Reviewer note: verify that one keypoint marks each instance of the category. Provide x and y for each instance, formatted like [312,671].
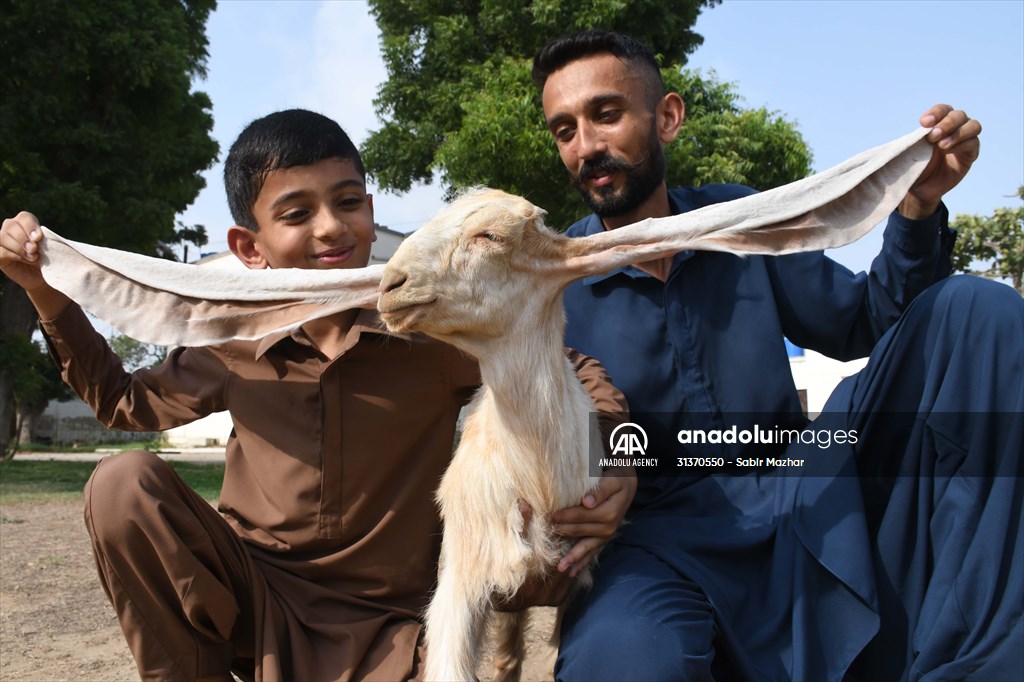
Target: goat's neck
[528,380]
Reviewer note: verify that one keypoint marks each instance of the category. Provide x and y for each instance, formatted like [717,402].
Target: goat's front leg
[456,620]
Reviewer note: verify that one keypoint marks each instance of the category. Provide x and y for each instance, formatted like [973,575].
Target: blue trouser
[906,563]
[650,622]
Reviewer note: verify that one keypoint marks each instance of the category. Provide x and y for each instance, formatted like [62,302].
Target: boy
[324,550]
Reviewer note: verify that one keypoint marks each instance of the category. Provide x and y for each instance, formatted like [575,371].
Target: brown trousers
[172,567]
[186,589]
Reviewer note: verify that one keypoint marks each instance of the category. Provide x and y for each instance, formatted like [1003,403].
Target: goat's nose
[392,280]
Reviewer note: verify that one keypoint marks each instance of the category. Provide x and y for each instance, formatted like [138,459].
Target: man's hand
[596,519]
[20,239]
[544,590]
[955,146]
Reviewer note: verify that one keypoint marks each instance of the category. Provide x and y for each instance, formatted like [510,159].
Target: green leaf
[992,246]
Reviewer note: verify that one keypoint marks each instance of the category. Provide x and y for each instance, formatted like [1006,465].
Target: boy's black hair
[284,139]
[561,51]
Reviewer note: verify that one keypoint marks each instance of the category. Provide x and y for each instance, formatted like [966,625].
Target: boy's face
[315,217]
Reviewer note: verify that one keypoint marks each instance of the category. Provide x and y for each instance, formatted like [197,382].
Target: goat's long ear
[158,301]
[830,209]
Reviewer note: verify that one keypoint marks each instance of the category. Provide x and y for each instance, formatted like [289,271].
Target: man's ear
[670,114]
[243,242]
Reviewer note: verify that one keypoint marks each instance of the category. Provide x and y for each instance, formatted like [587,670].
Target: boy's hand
[20,239]
[19,250]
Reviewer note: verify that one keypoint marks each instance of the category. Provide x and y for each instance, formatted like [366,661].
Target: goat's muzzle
[400,306]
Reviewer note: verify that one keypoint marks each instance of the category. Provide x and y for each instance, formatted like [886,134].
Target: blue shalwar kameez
[900,556]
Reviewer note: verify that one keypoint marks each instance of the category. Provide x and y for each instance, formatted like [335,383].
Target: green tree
[459,101]
[183,236]
[136,354]
[996,242]
[103,136]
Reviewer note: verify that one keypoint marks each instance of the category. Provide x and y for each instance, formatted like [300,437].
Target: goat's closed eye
[489,236]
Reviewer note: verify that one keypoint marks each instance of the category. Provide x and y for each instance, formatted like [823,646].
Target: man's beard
[642,178]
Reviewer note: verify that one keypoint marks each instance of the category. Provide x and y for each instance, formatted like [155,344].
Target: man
[896,554]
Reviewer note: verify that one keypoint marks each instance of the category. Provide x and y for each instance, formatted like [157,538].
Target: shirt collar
[367,321]
[593,225]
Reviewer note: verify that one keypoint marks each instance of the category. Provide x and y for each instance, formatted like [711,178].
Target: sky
[851,74]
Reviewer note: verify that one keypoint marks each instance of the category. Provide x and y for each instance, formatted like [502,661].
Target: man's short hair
[561,51]
[285,139]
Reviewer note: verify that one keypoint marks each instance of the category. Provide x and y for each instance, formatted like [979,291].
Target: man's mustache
[605,164]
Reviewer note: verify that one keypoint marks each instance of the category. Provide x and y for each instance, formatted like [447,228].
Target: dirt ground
[56,622]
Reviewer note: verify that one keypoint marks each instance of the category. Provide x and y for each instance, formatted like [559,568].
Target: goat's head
[473,270]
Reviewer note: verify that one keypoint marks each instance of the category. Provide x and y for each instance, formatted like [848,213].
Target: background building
[816,376]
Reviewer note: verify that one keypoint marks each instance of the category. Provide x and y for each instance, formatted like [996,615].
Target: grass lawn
[46,481]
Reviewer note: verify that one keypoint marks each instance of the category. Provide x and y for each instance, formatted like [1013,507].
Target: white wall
[210,431]
[819,375]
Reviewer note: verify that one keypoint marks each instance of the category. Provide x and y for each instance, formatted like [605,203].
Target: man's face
[598,111]
[316,217]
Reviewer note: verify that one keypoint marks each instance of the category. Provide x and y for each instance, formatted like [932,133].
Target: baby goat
[479,276]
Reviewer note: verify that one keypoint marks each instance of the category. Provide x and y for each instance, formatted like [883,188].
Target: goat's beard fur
[642,178]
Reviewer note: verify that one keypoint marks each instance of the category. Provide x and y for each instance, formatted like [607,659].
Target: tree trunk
[8,416]
[17,316]
[29,420]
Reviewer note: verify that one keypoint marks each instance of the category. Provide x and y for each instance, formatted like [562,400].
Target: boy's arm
[609,401]
[187,386]
[191,383]
[20,239]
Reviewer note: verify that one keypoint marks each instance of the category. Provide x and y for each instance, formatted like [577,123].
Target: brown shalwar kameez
[324,549]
